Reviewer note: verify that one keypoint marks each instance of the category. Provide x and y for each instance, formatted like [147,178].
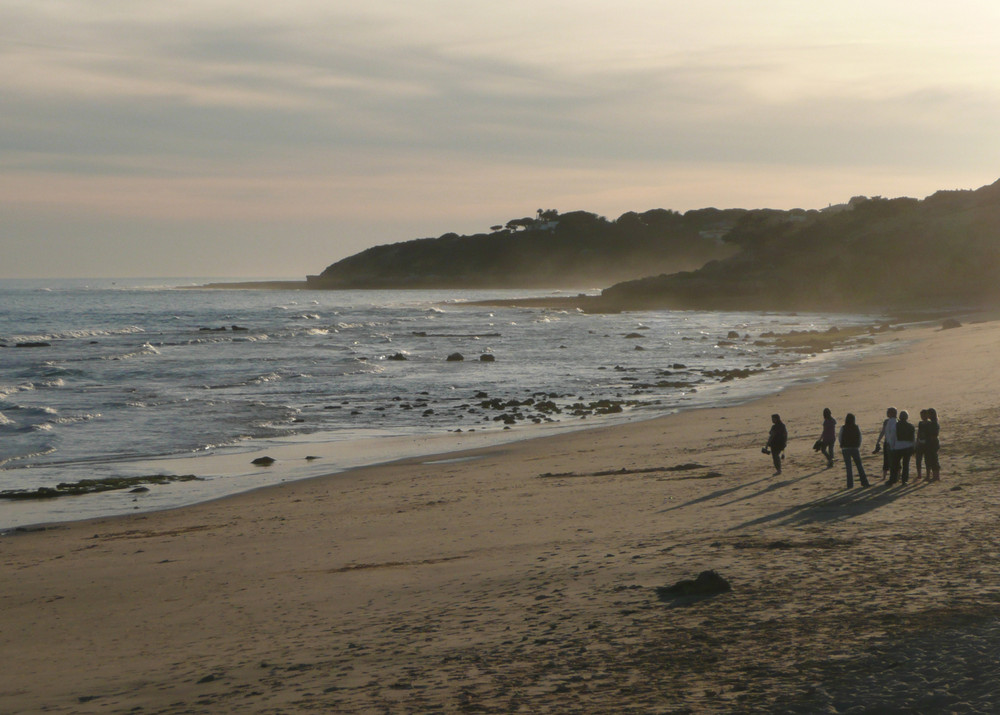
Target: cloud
[433,114]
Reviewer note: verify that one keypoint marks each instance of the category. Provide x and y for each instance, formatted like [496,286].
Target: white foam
[74,419]
[77,334]
[270,377]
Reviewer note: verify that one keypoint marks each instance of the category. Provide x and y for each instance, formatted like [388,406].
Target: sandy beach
[524,577]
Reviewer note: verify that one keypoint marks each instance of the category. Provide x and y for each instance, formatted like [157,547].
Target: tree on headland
[576,249]
[518,224]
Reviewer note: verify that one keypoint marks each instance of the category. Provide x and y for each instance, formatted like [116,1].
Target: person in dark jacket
[777,440]
[923,430]
[932,446]
[850,447]
[829,436]
[902,448]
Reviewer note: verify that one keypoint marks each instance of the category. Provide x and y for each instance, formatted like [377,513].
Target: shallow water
[140,377]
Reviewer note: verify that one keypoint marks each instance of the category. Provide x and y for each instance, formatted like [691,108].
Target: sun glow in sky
[271,139]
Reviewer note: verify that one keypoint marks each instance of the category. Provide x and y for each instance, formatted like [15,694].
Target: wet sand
[523,577]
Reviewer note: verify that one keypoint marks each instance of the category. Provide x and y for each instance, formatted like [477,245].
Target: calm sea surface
[139,377]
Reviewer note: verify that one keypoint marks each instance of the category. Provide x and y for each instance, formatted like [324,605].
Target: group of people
[899,441]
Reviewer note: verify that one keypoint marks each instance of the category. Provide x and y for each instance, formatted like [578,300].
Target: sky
[266,139]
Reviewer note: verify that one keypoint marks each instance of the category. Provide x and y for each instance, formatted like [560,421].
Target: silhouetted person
[932,447]
[829,436]
[923,426]
[888,425]
[902,449]
[850,447]
[777,440]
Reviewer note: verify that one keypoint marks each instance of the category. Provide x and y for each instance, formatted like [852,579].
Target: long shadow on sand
[719,493]
[774,486]
[845,504]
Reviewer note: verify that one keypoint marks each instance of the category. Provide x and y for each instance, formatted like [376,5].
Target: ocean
[136,378]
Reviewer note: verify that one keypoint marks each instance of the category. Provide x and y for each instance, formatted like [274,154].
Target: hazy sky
[217,138]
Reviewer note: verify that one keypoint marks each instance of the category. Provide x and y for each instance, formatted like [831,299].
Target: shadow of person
[839,506]
[717,494]
[774,486]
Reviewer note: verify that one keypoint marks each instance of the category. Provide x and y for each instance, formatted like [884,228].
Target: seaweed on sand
[93,486]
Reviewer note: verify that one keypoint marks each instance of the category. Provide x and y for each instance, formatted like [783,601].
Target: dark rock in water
[207,679]
[139,490]
[950,323]
[311,457]
[486,357]
[638,347]
[633,335]
[213,330]
[708,584]
[732,334]
[33,344]
[264,461]
[397,356]
[239,328]
[455,357]
[679,366]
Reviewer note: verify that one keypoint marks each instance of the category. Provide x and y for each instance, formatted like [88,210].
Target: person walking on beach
[902,449]
[932,446]
[923,426]
[850,447]
[890,419]
[777,440]
[829,436]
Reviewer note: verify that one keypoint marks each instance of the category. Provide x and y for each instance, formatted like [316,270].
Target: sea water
[135,378]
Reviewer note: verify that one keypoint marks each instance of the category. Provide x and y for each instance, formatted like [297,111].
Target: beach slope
[530,577]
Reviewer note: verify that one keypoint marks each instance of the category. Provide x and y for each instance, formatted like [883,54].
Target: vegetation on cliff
[573,250]
[869,254]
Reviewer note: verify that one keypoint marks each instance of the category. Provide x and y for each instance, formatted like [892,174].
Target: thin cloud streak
[397,120]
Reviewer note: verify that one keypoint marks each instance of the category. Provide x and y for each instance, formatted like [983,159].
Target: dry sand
[524,578]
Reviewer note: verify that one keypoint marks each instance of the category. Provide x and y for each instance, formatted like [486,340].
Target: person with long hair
[902,448]
[850,447]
